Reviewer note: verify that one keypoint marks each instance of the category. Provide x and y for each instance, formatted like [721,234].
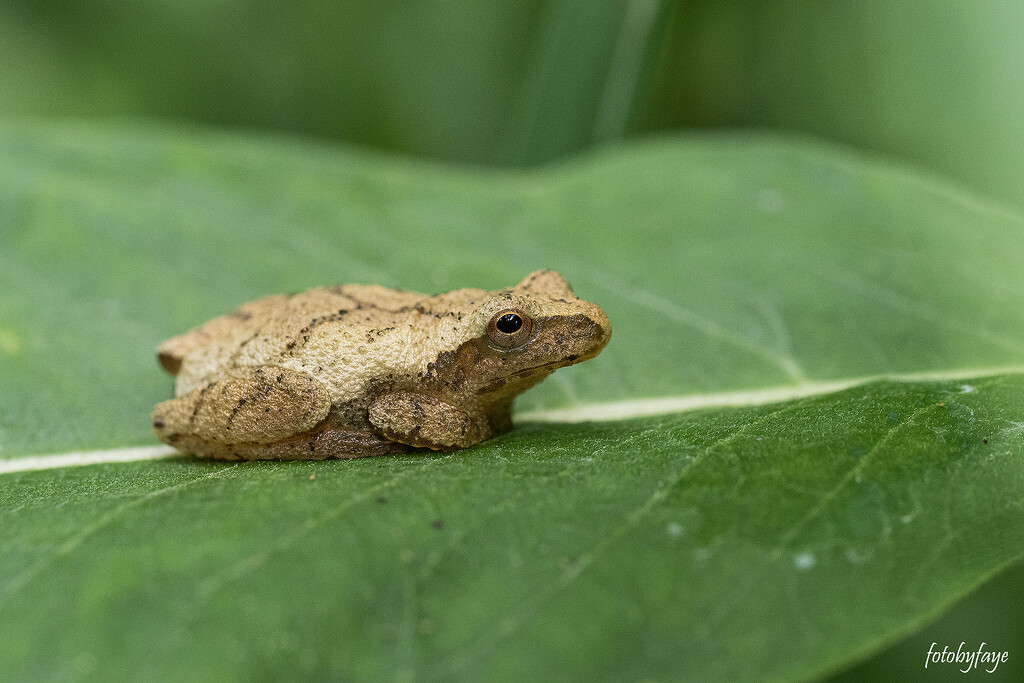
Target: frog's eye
[509,328]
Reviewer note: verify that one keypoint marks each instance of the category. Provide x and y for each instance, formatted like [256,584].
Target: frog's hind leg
[263,413]
[255,405]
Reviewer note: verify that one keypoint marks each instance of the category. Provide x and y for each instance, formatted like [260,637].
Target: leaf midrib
[589,412]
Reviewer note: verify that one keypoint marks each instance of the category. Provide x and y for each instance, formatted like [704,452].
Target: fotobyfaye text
[968,659]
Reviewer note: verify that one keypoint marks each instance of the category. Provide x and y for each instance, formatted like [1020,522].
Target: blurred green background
[468,81]
[936,84]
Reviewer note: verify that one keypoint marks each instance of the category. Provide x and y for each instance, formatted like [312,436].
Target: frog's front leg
[255,405]
[425,421]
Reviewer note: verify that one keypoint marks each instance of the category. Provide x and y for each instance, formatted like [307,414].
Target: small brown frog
[357,370]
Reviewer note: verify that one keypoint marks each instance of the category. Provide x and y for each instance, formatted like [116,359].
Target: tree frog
[359,370]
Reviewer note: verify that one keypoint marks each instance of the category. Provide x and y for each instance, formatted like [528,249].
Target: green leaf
[747,540]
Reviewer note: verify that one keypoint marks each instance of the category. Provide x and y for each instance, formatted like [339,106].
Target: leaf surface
[743,542]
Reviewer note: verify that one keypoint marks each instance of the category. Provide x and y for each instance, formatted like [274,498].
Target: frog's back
[281,329]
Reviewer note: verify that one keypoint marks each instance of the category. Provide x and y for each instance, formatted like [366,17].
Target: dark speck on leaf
[382,499]
[984,440]
[437,524]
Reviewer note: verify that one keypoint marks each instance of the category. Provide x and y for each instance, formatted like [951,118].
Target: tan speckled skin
[355,370]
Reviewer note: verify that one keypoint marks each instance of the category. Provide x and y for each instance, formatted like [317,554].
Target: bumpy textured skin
[355,370]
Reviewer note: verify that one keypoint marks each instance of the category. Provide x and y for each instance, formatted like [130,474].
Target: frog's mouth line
[597,332]
[530,373]
[538,369]
[555,364]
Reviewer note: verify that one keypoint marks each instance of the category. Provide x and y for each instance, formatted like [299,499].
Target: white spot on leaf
[804,561]
[1013,430]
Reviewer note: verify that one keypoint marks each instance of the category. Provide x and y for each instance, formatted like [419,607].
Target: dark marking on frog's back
[200,400]
[364,304]
[301,337]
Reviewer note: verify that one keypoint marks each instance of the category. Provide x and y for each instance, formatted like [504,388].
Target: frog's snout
[585,334]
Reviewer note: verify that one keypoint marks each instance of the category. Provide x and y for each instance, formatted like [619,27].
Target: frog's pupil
[509,323]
